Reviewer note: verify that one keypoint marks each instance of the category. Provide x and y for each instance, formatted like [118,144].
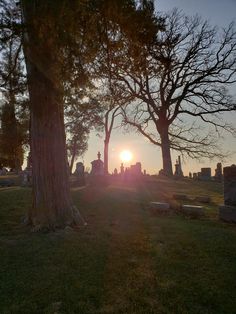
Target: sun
[125,156]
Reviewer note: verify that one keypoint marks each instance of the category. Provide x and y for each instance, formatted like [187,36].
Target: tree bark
[106,155]
[72,162]
[72,157]
[52,204]
[166,155]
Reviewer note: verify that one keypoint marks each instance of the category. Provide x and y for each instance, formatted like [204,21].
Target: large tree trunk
[165,149]
[52,204]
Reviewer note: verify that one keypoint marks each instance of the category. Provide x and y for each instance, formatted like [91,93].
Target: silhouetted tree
[139,30]
[179,83]
[13,90]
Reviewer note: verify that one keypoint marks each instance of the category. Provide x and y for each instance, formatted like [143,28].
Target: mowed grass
[127,260]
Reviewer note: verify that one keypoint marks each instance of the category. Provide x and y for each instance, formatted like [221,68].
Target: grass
[126,260]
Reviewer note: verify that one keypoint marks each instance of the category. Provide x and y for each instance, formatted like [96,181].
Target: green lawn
[127,260]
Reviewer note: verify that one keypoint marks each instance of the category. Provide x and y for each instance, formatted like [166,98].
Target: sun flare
[125,156]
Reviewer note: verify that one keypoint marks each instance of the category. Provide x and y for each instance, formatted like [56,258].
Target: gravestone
[97,166]
[159,207]
[6,183]
[26,174]
[122,169]
[29,161]
[227,212]
[26,177]
[126,174]
[3,171]
[205,174]
[136,170]
[193,210]
[178,168]
[218,172]
[79,173]
[97,177]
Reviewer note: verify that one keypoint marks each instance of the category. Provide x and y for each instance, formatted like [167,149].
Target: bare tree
[111,104]
[114,34]
[180,83]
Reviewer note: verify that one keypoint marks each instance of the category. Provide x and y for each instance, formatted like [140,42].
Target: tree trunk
[106,154]
[73,157]
[165,149]
[52,204]
[72,163]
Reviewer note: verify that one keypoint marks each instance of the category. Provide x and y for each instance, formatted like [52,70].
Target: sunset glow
[125,156]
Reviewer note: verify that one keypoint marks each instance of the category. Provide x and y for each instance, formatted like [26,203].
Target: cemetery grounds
[128,259]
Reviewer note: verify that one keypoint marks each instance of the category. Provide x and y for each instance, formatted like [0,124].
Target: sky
[217,12]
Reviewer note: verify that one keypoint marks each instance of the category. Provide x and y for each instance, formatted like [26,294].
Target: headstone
[79,173]
[195,176]
[161,172]
[6,183]
[97,166]
[29,161]
[218,172]
[178,168]
[205,174]
[160,207]
[3,171]
[122,169]
[193,210]
[136,170]
[26,177]
[227,212]
[79,170]
[190,175]
[126,174]
[230,185]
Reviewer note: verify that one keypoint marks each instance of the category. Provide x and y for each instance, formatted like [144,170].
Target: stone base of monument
[227,213]
[193,211]
[6,183]
[158,207]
